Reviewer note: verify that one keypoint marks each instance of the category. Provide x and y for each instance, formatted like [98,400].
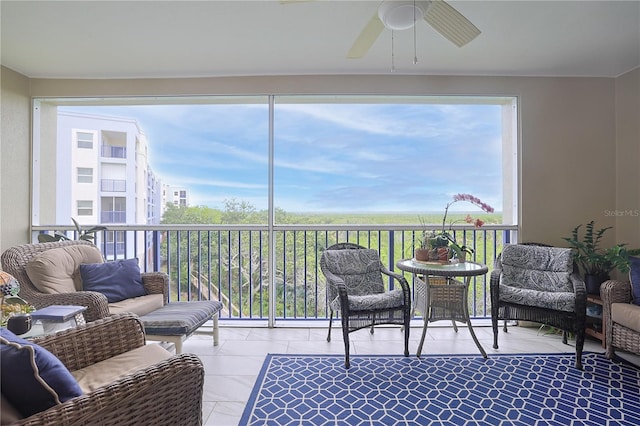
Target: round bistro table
[439,296]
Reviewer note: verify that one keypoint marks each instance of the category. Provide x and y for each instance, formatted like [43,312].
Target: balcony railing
[113,185]
[116,216]
[238,265]
[113,151]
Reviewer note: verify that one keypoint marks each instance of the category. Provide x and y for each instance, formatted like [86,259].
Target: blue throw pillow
[33,379]
[634,277]
[117,280]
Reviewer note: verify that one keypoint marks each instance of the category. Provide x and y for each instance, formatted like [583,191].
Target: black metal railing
[237,265]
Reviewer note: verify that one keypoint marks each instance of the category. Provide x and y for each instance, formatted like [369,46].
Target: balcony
[113,151]
[117,216]
[113,185]
[234,263]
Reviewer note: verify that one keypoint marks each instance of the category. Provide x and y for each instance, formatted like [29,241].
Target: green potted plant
[595,262]
[461,251]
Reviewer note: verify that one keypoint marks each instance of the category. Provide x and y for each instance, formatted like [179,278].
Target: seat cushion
[118,280]
[33,379]
[375,302]
[112,369]
[179,318]
[555,300]
[138,305]
[57,270]
[626,314]
[544,269]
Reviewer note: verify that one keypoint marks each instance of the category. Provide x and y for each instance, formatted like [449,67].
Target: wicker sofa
[16,259]
[123,380]
[621,318]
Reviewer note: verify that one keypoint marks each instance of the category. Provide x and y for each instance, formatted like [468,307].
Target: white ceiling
[131,39]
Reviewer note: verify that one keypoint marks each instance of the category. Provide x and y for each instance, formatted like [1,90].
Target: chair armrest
[494,289]
[614,291]
[96,303]
[580,291]
[167,393]
[95,341]
[494,278]
[403,283]
[398,277]
[156,283]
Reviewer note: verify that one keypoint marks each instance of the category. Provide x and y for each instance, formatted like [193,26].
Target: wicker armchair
[618,335]
[15,259]
[540,284]
[168,392]
[356,289]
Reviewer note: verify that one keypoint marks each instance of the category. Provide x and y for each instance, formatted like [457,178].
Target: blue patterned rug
[444,390]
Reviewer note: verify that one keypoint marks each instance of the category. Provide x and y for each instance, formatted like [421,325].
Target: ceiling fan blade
[366,38]
[450,23]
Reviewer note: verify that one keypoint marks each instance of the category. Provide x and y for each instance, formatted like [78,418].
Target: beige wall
[15,158]
[570,156]
[627,171]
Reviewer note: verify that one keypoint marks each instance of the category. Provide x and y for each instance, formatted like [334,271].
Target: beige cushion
[112,369]
[57,270]
[138,305]
[626,314]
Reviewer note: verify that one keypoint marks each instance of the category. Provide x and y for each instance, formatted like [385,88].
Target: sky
[359,157]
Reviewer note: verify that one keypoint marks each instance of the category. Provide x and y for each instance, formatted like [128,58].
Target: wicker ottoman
[176,321]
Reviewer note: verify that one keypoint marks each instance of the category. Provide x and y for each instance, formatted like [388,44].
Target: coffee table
[54,318]
[439,296]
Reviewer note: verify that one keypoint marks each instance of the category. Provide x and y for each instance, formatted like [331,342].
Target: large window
[362,159]
[356,158]
[235,197]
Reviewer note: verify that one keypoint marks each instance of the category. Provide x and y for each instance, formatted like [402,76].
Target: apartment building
[176,195]
[108,179]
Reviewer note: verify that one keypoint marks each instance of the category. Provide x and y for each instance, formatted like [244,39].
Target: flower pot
[421,254]
[443,254]
[593,283]
[19,323]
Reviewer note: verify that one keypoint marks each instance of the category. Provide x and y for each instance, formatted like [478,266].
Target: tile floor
[231,367]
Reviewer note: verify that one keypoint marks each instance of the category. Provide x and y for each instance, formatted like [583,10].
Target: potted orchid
[441,244]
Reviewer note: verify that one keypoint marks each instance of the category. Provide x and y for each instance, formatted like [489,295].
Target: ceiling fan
[402,15]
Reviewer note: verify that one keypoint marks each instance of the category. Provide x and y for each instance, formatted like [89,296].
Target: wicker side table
[438,296]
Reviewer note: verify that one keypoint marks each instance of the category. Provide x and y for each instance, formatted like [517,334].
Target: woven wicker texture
[617,335]
[168,393]
[399,313]
[568,322]
[14,261]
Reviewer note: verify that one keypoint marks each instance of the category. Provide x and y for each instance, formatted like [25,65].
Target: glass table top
[441,268]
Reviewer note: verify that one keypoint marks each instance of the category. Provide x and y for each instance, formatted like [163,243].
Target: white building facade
[108,181]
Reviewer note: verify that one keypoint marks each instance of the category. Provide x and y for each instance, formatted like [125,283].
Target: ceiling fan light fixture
[402,15]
